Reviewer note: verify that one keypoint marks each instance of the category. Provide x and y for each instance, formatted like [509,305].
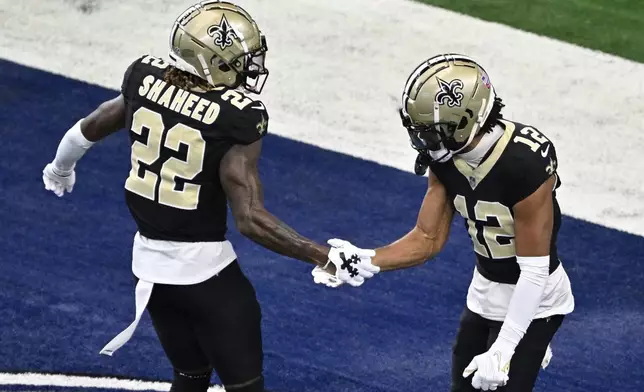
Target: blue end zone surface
[66,287]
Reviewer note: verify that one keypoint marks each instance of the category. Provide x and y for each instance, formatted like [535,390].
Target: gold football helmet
[446,100]
[220,43]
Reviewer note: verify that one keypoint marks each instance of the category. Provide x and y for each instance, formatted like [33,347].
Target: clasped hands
[346,264]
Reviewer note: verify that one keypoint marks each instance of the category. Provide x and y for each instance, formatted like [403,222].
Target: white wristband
[72,147]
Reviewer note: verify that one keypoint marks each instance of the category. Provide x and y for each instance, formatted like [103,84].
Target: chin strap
[427,157]
[422,163]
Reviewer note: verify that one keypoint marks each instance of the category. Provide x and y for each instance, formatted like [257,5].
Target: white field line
[61,380]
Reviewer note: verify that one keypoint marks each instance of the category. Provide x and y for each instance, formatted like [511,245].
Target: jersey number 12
[490,233]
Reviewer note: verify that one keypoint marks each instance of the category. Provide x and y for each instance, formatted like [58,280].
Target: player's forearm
[71,148]
[425,240]
[526,298]
[413,249]
[268,231]
[533,222]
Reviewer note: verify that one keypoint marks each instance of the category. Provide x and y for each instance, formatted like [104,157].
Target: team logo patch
[262,125]
[449,93]
[223,33]
[550,169]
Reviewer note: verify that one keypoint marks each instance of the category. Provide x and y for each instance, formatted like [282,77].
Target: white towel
[143,293]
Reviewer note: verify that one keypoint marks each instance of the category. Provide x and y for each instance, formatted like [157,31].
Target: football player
[196,139]
[501,177]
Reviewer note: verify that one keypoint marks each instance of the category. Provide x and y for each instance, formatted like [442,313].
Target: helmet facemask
[430,136]
[251,67]
[433,136]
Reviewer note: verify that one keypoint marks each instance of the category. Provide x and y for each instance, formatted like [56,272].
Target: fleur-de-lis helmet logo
[449,93]
[223,33]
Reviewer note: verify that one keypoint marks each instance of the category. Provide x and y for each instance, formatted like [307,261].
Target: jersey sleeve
[533,168]
[126,85]
[250,125]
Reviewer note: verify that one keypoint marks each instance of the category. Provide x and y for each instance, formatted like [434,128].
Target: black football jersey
[520,162]
[178,139]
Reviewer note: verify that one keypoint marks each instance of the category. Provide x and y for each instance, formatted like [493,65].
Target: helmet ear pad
[239,80]
[465,120]
[227,74]
[452,143]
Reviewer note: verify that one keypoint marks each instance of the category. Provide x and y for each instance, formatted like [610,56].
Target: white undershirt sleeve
[72,147]
[525,298]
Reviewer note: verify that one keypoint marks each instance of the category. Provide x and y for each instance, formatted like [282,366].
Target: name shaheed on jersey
[178,100]
[501,177]
[196,138]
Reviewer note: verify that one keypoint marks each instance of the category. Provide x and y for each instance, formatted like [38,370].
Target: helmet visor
[430,136]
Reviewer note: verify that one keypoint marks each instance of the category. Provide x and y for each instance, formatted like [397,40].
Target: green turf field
[612,26]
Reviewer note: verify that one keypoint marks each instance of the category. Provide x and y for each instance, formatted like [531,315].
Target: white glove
[491,368]
[58,182]
[352,264]
[321,276]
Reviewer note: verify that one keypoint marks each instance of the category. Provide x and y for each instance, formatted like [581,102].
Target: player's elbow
[417,254]
[247,222]
[425,252]
[431,250]
[106,119]
[433,244]
[245,225]
[439,244]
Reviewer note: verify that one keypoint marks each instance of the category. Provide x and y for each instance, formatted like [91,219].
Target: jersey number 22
[173,168]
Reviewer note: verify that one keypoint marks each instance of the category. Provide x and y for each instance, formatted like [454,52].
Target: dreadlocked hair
[184,80]
[494,117]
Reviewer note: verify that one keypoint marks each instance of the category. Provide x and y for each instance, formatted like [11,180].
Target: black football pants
[475,336]
[213,324]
